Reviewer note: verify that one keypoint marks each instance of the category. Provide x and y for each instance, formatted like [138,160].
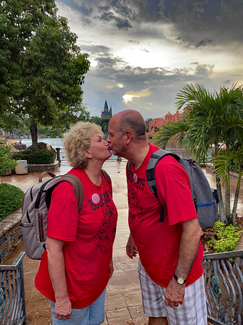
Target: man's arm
[131,248]
[188,250]
[56,265]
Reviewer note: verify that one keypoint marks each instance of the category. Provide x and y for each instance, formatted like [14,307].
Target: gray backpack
[204,197]
[35,206]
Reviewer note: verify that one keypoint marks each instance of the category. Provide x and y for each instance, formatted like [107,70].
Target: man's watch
[179,279]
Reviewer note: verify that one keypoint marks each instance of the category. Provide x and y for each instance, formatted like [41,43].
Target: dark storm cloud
[192,27]
[203,43]
[133,42]
[204,69]
[160,85]
[200,23]
[119,22]
[95,49]
[137,78]
[221,19]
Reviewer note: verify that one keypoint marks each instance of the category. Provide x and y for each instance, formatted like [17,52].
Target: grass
[10,199]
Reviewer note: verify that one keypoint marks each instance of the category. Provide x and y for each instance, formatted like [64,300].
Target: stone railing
[43,167]
[10,234]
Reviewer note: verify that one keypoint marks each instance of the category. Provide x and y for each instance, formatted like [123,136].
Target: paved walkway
[123,299]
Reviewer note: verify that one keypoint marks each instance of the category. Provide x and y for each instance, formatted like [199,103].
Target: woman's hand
[131,248]
[56,265]
[63,308]
[111,269]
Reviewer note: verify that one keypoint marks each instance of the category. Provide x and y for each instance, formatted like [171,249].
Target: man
[170,265]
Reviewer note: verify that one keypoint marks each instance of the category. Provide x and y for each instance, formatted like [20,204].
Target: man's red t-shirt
[88,238]
[158,242]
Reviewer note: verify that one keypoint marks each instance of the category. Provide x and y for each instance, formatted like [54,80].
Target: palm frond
[166,132]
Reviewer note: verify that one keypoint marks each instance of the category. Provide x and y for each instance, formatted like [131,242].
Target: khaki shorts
[193,311]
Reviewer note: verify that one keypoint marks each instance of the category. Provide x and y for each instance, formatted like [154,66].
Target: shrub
[10,199]
[40,156]
[225,237]
[6,161]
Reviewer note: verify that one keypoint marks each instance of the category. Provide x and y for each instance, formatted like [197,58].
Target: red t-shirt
[158,242]
[88,238]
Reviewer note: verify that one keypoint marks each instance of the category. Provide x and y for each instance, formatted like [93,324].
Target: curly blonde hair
[76,140]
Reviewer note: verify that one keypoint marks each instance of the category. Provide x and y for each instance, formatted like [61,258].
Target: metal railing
[223,284]
[12,297]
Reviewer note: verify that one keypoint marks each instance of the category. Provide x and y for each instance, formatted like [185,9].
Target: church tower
[106,113]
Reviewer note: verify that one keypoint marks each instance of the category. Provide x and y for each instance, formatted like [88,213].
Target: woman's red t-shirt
[88,238]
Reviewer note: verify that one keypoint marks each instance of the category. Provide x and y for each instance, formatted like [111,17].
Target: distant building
[106,113]
[158,122]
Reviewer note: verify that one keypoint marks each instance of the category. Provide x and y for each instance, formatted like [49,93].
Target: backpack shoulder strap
[77,186]
[150,173]
[107,178]
[154,159]
[128,165]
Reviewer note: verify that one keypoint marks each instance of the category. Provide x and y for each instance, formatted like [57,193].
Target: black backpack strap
[107,178]
[154,159]
[128,165]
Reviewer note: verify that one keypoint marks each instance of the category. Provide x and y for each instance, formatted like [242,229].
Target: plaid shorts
[193,311]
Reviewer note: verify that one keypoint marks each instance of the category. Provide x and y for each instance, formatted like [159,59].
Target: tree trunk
[33,132]
[237,192]
[227,203]
[219,188]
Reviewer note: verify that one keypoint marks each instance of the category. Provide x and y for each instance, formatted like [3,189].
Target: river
[54,142]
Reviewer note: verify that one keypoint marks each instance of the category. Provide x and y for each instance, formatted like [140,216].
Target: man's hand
[131,248]
[174,293]
[111,269]
[63,308]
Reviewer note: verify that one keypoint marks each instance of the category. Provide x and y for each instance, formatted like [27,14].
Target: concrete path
[123,299]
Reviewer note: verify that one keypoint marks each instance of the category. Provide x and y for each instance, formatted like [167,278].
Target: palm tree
[209,120]
[235,153]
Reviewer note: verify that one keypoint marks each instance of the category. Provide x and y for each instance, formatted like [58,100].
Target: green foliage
[10,199]
[41,156]
[104,123]
[147,121]
[41,67]
[225,238]
[6,161]
[211,118]
[234,166]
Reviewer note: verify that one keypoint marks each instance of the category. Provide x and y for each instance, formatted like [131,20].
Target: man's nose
[108,139]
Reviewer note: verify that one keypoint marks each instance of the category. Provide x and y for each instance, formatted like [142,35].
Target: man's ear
[128,136]
[87,153]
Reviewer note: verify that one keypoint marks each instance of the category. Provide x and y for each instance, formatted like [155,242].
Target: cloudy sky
[142,52]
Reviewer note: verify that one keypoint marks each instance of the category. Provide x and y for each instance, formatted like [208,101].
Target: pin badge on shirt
[135,178]
[95,198]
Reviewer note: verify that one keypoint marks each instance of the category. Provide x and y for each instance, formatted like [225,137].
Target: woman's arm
[56,265]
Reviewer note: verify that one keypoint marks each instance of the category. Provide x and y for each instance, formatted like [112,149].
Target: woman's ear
[87,153]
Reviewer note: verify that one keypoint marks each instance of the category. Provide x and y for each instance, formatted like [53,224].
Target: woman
[77,263]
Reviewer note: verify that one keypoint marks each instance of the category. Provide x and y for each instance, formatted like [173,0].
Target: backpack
[204,197]
[35,206]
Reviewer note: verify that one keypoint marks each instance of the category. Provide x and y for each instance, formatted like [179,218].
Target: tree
[226,156]
[209,120]
[147,121]
[104,123]
[44,72]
